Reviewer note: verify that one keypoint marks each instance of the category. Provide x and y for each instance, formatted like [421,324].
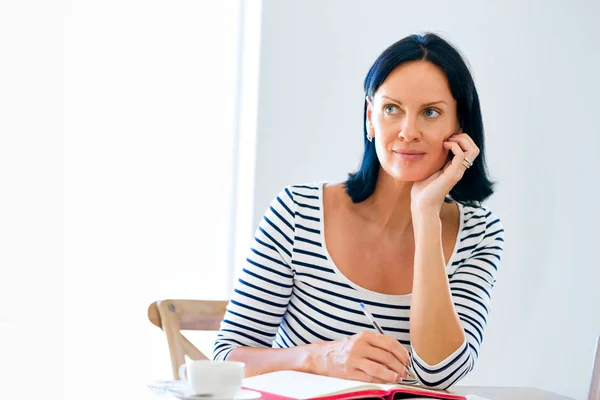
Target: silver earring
[369,137]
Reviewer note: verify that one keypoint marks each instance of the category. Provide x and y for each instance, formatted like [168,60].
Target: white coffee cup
[213,379]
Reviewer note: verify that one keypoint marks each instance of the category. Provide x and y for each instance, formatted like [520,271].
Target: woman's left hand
[428,194]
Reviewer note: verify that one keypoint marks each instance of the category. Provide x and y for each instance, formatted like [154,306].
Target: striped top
[291,293]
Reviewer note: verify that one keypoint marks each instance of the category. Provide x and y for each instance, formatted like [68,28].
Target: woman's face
[410,116]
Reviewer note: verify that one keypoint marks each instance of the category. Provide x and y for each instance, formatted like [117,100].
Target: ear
[369,101]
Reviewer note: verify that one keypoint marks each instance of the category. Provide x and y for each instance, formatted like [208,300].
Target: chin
[402,171]
[409,174]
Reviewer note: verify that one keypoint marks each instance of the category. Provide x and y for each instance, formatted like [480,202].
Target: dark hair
[475,186]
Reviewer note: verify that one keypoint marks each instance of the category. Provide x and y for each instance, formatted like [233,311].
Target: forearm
[435,328]
[263,360]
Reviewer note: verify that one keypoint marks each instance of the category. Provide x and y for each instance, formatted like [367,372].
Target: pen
[376,326]
[371,318]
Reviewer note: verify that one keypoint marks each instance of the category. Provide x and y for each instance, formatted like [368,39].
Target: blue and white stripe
[290,293]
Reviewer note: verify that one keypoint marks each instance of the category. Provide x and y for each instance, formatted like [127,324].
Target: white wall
[150,90]
[31,200]
[117,150]
[536,67]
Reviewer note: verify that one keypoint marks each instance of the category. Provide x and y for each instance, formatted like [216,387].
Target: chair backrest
[173,316]
[594,393]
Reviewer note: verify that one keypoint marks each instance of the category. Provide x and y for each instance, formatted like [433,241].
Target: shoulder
[481,241]
[481,224]
[306,190]
[304,195]
[303,191]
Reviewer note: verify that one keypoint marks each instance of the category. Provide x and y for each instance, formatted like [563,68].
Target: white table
[491,393]
[508,393]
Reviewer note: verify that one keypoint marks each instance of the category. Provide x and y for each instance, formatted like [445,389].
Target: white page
[300,385]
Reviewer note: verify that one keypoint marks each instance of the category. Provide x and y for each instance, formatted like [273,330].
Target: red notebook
[292,385]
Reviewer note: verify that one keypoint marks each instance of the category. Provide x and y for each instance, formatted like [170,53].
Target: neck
[389,205]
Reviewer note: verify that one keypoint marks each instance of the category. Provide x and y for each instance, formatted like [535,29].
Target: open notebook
[292,385]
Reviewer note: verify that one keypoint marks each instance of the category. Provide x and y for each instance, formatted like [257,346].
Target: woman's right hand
[366,356]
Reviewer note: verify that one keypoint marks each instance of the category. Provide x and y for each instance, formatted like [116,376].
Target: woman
[405,235]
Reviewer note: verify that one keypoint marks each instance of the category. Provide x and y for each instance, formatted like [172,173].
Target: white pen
[371,318]
[376,326]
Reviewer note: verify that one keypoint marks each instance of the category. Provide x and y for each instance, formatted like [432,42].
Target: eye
[431,113]
[390,109]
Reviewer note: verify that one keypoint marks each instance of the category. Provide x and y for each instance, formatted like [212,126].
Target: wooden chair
[594,391]
[173,316]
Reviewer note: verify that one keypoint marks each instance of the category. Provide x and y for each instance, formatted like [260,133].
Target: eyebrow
[426,104]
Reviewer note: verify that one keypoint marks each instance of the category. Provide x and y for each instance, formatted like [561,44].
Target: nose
[409,130]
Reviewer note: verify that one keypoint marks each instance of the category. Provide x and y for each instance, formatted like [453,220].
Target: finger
[460,134]
[465,142]
[467,145]
[378,371]
[459,155]
[386,358]
[360,375]
[390,345]
[457,167]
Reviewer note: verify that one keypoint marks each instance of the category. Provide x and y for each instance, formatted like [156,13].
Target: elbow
[441,382]
[221,350]
[446,374]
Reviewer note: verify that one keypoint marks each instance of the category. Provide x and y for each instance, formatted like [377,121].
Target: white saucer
[243,394]
[180,390]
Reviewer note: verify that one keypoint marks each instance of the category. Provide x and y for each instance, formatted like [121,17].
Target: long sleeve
[262,292]
[482,238]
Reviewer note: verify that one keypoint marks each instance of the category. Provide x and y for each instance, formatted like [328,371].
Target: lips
[409,155]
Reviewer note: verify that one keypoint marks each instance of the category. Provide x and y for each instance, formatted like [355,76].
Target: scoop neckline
[358,287]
